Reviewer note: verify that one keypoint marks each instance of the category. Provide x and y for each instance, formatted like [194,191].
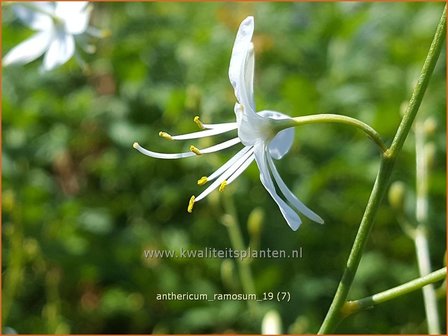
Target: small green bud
[255,222]
[228,273]
[227,220]
[397,193]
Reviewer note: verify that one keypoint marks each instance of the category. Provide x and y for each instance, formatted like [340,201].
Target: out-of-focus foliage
[80,205]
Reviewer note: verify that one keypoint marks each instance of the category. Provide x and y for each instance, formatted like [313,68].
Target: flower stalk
[331,118]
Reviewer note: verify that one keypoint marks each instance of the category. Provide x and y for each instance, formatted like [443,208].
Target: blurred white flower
[271,323]
[56,24]
[255,132]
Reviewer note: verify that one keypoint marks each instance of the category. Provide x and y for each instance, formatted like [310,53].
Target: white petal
[75,15]
[60,51]
[291,197]
[282,142]
[251,126]
[202,134]
[36,15]
[241,69]
[289,214]
[224,176]
[249,69]
[28,50]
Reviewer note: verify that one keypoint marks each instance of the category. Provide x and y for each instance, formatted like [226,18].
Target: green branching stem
[334,314]
[352,307]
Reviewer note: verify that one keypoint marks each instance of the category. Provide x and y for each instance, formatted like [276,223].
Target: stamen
[195,150]
[191,204]
[217,129]
[222,186]
[215,148]
[229,163]
[165,135]
[162,155]
[203,180]
[198,122]
[225,175]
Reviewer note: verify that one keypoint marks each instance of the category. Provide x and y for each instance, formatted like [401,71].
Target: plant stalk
[381,183]
[352,307]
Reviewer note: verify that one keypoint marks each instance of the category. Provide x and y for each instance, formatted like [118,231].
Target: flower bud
[228,273]
[255,221]
[397,193]
[227,220]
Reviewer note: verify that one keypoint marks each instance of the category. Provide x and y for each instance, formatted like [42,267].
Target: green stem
[236,239]
[429,294]
[352,307]
[422,84]
[330,118]
[381,183]
[420,237]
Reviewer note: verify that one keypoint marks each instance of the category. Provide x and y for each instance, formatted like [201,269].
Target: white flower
[255,132]
[56,24]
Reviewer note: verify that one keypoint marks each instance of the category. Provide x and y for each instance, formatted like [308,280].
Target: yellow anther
[165,135]
[191,204]
[203,180]
[135,145]
[195,150]
[222,186]
[198,122]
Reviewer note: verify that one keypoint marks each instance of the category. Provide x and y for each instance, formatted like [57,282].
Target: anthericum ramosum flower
[255,132]
[56,25]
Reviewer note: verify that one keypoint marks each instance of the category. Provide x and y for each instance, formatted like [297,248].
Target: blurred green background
[79,205]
